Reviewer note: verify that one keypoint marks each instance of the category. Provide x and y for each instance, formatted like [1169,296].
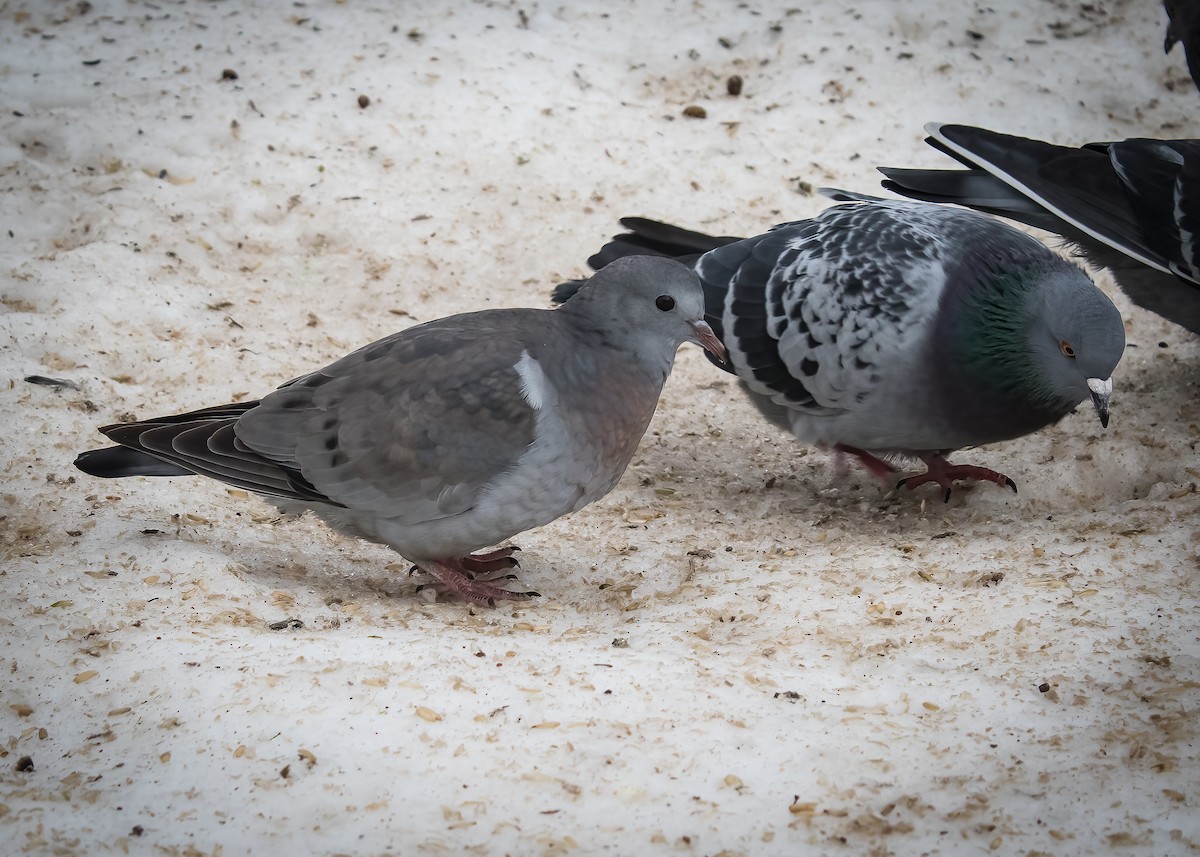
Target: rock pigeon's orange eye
[666,303]
[1067,349]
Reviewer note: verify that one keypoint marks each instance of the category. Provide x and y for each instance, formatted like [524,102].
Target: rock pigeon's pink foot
[492,561]
[457,578]
[878,467]
[945,474]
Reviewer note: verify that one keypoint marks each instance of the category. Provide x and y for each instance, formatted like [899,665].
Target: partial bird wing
[1162,179]
[1078,191]
[653,238]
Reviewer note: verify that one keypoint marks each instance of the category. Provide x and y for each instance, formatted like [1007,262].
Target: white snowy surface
[735,653]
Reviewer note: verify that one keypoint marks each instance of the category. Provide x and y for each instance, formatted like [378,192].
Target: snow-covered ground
[735,652]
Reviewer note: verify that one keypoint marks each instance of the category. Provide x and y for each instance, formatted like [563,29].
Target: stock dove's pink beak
[707,340]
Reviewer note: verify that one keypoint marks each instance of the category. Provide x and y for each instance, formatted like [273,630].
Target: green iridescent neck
[990,335]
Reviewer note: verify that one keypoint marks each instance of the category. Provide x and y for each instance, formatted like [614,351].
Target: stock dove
[452,435]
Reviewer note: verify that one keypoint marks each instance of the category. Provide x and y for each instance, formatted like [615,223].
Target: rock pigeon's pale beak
[1101,393]
[707,340]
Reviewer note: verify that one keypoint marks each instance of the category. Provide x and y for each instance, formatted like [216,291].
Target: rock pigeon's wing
[815,309]
[653,238]
[734,278]
[1162,179]
[413,426]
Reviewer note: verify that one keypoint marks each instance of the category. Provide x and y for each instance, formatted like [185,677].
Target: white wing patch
[534,385]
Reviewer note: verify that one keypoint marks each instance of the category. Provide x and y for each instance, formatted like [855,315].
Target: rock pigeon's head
[1076,337]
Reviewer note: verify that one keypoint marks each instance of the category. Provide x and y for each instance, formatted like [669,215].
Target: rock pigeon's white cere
[895,329]
[1132,207]
[452,435]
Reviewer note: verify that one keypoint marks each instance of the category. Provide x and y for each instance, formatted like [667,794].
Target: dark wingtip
[114,462]
[96,462]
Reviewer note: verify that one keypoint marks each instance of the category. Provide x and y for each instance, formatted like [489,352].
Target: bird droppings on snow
[812,664]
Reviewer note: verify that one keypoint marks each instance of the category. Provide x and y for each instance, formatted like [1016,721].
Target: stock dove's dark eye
[666,303]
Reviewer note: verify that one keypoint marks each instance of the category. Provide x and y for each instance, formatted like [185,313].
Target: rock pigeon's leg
[492,561]
[878,467]
[944,474]
[451,574]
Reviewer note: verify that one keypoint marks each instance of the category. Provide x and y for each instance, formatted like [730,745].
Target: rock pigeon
[452,435]
[1183,25]
[1132,207]
[894,330]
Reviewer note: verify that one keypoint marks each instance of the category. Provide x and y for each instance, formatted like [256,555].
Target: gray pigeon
[452,435]
[895,330]
[1132,207]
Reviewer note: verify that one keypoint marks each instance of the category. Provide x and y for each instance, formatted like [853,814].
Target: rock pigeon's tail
[653,238]
[1030,181]
[565,291]
[1074,192]
[971,188]
[839,195]
[116,461]
[647,238]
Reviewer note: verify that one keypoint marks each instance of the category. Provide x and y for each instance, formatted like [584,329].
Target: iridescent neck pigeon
[897,330]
